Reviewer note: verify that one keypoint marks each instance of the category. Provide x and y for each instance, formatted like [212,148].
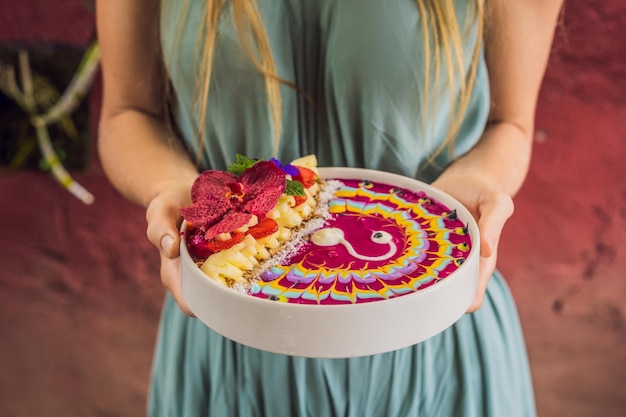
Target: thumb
[162,228]
[169,246]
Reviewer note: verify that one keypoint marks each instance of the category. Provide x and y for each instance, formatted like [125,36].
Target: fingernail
[166,244]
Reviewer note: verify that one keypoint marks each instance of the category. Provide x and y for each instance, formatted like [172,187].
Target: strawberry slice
[215,245]
[305,176]
[263,228]
[299,199]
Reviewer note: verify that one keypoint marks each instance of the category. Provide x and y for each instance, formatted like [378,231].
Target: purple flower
[287,168]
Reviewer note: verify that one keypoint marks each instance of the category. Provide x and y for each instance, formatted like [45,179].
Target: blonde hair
[443,48]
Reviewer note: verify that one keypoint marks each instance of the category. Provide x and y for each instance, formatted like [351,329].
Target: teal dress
[360,64]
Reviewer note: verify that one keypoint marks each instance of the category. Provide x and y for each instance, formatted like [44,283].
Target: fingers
[486,267]
[495,210]
[170,275]
[491,208]
[163,218]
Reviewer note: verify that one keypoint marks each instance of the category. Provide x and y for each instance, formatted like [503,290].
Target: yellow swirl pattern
[434,243]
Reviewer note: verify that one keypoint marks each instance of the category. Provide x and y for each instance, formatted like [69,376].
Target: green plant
[34,98]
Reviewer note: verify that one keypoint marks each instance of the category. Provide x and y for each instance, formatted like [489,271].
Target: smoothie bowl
[375,262]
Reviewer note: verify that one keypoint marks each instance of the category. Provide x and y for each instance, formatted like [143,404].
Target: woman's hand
[164,220]
[490,207]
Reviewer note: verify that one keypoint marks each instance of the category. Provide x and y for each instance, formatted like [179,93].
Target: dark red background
[80,293]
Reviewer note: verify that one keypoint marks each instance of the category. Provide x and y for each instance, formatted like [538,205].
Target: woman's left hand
[490,207]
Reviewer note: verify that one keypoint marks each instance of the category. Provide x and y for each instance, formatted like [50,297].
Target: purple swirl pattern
[388,242]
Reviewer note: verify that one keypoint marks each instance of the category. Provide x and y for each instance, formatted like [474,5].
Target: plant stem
[56,167]
[68,102]
[77,88]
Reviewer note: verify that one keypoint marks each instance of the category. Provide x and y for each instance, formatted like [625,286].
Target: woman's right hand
[163,217]
[139,153]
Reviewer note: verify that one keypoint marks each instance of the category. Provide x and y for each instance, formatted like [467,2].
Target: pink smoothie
[380,242]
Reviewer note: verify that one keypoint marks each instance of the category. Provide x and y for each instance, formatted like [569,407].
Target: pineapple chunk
[217,259]
[304,210]
[227,270]
[269,242]
[283,234]
[240,261]
[274,214]
[313,190]
[262,253]
[309,161]
[290,201]
[249,250]
[222,237]
[289,218]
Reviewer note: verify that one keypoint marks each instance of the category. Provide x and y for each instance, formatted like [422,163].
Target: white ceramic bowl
[338,331]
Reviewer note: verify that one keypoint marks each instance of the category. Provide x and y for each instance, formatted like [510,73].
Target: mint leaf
[241,164]
[294,188]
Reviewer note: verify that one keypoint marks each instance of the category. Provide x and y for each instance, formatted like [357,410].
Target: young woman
[441,90]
